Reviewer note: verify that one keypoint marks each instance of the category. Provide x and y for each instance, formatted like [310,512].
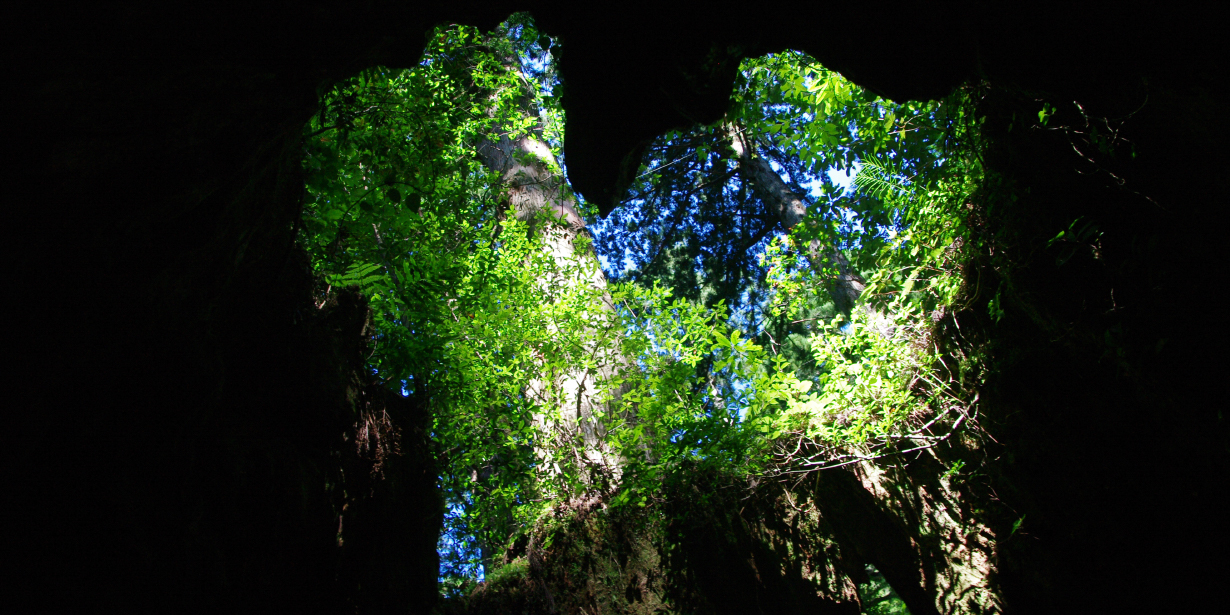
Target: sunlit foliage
[472,316]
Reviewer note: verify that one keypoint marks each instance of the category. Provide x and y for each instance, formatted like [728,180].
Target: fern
[363,275]
[879,178]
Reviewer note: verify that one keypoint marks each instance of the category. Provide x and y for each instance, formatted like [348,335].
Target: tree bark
[535,187]
[790,210]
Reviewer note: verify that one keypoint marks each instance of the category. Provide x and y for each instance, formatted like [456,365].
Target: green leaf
[1016,525]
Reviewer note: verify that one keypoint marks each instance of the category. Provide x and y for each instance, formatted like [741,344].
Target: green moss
[510,574]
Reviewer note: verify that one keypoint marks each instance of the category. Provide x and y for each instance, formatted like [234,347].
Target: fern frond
[363,275]
[881,179]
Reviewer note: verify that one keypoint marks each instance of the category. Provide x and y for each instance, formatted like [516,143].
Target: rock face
[189,401]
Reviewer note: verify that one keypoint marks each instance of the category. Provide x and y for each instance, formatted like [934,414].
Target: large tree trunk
[538,195]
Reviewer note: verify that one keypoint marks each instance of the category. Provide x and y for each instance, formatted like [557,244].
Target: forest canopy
[745,309]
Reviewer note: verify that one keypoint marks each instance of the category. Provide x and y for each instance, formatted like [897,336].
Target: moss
[514,573]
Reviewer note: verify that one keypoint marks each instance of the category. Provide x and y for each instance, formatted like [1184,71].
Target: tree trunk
[790,211]
[536,187]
